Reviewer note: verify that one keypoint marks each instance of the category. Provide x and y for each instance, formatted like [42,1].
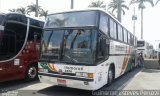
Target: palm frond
[43,13]
[149,1]
[13,10]
[124,6]
[97,4]
[157,2]
[123,12]
[114,9]
[134,2]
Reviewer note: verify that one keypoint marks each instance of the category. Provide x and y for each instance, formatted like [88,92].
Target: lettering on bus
[120,48]
[69,69]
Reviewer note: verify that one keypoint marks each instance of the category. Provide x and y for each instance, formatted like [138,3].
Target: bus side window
[103,48]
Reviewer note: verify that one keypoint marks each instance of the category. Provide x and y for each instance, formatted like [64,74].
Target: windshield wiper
[70,58]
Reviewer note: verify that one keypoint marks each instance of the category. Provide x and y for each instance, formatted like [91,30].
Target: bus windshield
[140,43]
[69,45]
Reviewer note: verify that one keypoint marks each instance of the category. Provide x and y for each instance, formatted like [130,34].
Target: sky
[151,14]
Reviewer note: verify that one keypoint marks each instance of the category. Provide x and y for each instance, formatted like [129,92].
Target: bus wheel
[110,75]
[32,73]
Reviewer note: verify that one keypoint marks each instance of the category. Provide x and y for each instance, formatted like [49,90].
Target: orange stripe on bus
[125,61]
[52,67]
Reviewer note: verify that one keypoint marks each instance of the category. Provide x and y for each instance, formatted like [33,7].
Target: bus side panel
[122,56]
[131,61]
[101,74]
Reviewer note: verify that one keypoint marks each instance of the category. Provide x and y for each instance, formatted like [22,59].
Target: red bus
[19,46]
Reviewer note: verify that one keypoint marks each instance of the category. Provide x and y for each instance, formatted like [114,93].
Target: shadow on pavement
[118,84]
[15,85]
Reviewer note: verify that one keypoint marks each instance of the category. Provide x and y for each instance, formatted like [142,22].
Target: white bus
[85,49]
[146,49]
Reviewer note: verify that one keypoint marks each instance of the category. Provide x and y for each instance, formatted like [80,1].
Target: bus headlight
[84,74]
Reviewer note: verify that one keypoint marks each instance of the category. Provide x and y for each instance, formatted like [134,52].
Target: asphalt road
[37,88]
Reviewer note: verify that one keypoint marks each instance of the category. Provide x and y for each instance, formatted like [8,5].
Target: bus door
[102,56]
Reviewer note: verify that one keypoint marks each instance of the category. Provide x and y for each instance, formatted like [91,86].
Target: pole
[134,18]
[119,10]
[72,4]
[36,14]
[142,23]
[134,22]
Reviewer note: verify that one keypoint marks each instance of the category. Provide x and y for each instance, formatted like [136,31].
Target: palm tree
[119,6]
[157,2]
[33,8]
[21,10]
[111,13]
[141,6]
[97,4]
[43,13]
[13,10]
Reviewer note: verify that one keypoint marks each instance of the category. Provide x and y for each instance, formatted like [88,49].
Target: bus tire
[110,75]
[32,72]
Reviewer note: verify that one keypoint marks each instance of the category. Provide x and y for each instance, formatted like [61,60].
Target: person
[141,60]
[138,60]
[159,60]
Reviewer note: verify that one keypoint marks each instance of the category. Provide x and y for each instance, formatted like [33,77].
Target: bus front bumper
[73,82]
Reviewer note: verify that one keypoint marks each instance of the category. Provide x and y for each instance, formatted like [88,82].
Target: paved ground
[146,79]
[151,63]
[138,79]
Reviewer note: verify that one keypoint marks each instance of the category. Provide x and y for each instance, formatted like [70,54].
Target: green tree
[142,7]
[33,8]
[43,13]
[21,10]
[118,6]
[97,4]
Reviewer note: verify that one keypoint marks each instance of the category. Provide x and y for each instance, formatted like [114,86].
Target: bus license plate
[61,82]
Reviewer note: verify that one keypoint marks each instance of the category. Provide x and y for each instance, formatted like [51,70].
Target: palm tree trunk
[141,23]
[72,4]
[119,11]
[36,14]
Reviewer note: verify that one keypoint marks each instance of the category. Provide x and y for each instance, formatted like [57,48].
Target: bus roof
[23,15]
